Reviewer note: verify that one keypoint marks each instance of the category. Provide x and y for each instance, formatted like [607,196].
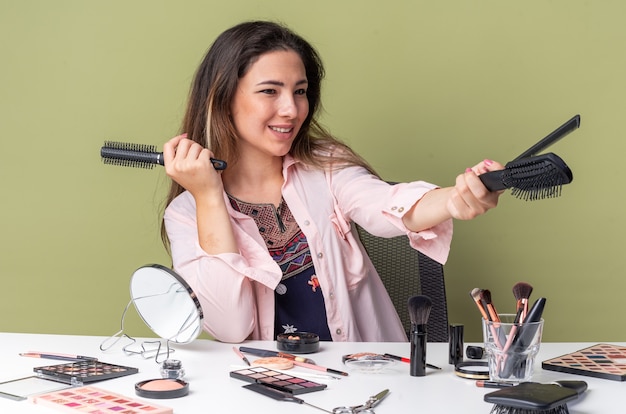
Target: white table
[208,363]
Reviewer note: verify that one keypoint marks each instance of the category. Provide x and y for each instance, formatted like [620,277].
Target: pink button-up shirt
[236,290]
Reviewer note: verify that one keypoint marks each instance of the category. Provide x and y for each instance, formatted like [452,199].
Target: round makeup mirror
[166,303]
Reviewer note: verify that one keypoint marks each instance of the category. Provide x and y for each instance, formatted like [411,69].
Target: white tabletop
[208,363]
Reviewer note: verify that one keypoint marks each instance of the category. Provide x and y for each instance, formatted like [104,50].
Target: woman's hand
[189,164]
[469,197]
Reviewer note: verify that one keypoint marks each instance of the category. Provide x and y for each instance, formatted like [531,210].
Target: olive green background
[422,89]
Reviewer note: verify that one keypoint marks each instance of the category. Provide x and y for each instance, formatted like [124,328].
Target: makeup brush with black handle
[419,312]
[138,155]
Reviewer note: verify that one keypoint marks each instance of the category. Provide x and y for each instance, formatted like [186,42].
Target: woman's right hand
[189,164]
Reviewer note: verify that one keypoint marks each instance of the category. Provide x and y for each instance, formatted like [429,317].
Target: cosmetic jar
[298,342]
[476,370]
[475,352]
[172,369]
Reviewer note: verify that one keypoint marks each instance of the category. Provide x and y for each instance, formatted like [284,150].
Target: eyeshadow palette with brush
[278,380]
[90,399]
[82,372]
[601,361]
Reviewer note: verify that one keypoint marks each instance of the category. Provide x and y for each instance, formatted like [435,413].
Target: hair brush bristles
[130,155]
[419,309]
[138,155]
[531,178]
[501,409]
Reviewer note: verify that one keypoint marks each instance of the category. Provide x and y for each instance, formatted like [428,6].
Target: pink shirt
[236,290]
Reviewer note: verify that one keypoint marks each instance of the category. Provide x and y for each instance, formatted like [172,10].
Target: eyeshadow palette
[81,372]
[277,380]
[600,361]
[94,400]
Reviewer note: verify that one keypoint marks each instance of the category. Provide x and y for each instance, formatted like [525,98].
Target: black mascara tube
[418,336]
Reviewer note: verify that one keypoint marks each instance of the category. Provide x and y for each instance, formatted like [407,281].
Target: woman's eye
[301,92]
[269,91]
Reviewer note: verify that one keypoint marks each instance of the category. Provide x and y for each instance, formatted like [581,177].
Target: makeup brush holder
[511,348]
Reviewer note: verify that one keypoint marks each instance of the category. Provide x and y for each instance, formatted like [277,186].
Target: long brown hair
[207,122]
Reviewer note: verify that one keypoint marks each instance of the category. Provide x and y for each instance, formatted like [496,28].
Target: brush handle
[493,180]
[553,137]
[273,393]
[145,157]
[418,338]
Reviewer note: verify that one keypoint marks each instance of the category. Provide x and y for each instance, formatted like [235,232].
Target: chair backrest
[405,272]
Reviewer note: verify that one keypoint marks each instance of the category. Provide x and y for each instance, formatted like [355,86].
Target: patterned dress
[299,300]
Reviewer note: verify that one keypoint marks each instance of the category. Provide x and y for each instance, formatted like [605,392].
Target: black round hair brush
[138,155]
[419,311]
[535,398]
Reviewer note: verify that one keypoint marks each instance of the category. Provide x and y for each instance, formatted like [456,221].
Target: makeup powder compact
[162,388]
[298,342]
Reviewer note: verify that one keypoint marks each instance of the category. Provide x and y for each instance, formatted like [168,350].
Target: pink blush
[161,385]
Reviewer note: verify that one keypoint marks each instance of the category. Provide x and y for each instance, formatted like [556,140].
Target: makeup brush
[522,292]
[419,311]
[280,395]
[476,296]
[491,309]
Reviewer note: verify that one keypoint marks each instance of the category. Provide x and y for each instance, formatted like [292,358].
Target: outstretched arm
[467,199]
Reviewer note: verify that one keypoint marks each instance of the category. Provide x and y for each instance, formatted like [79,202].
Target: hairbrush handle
[553,137]
[493,180]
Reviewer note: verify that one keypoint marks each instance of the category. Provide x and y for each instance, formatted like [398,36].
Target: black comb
[531,178]
[138,155]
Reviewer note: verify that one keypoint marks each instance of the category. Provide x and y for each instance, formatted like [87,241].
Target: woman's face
[270,104]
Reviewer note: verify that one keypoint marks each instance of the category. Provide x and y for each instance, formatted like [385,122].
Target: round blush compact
[162,388]
[298,342]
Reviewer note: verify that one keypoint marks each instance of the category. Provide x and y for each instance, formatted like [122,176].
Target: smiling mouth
[283,130]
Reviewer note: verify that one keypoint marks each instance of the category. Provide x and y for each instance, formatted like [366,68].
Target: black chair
[405,272]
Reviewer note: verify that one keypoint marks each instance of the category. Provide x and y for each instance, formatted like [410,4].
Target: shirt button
[331,295]
[401,209]
[306,222]
[394,208]
[320,255]
[338,331]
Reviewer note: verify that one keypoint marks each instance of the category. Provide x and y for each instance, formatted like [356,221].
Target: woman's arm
[467,199]
[189,164]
